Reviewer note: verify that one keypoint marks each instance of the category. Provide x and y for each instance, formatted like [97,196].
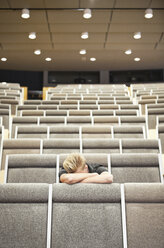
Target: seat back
[140,146]
[31,168]
[59,146]
[23,218]
[31,132]
[135,168]
[100,146]
[86,209]
[144,215]
[19,146]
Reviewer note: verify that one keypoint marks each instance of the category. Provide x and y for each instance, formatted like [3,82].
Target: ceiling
[58,30]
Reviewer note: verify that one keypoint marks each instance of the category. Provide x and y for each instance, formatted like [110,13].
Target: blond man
[76,170]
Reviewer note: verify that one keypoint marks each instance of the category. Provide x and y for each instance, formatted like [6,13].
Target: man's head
[75,163]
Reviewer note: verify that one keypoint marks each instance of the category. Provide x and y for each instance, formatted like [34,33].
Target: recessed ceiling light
[129,51]
[84,35]
[87,13]
[25,13]
[92,59]
[3,59]
[148,13]
[137,59]
[32,35]
[83,51]
[37,52]
[4,82]
[48,59]
[137,35]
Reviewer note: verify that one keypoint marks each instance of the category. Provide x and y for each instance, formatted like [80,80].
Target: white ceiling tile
[26,46]
[76,47]
[4,4]
[128,38]
[12,28]
[157,4]
[96,3]
[27,3]
[162,41]
[62,3]
[125,46]
[73,38]
[77,17]
[160,46]
[17,37]
[134,17]
[132,3]
[14,16]
[78,28]
[146,28]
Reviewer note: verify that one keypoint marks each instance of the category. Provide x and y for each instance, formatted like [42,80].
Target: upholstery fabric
[145,208]
[23,218]
[91,220]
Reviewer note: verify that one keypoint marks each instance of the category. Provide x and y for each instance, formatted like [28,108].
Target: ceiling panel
[97,3]
[157,4]
[77,17]
[4,4]
[78,28]
[132,3]
[133,17]
[73,38]
[12,28]
[27,3]
[162,40]
[17,37]
[160,47]
[62,3]
[66,27]
[128,38]
[26,46]
[146,28]
[11,16]
[77,47]
[125,46]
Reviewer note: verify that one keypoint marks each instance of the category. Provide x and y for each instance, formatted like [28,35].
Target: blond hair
[74,161]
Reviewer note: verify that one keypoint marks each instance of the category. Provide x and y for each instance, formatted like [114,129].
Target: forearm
[103,178]
[72,178]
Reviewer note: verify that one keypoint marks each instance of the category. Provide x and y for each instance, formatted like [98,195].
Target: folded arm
[72,178]
[104,177]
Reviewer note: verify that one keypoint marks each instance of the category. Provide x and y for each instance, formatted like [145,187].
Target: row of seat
[84,97]
[61,146]
[123,112]
[76,102]
[77,121]
[106,132]
[65,109]
[44,168]
[81,215]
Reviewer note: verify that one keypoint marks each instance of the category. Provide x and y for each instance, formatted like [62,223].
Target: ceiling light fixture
[92,59]
[137,59]
[87,13]
[37,52]
[137,35]
[3,59]
[25,13]
[84,35]
[48,59]
[129,51]
[148,13]
[83,51]
[32,35]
